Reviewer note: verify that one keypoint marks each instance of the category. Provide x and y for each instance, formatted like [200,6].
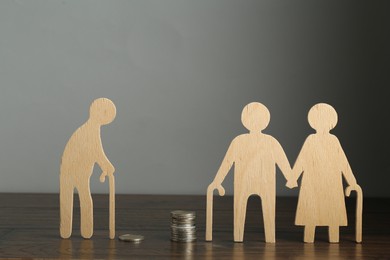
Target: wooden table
[29,228]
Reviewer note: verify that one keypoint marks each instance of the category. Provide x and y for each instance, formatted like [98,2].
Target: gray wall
[180,72]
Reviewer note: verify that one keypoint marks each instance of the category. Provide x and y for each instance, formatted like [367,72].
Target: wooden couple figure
[321,162]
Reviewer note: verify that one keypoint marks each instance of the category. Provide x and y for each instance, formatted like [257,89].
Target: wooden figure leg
[239,217]
[86,210]
[309,234]
[66,210]
[268,208]
[334,234]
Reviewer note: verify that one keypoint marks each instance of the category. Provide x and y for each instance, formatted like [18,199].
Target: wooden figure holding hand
[82,151]
[322,163]
[254,156]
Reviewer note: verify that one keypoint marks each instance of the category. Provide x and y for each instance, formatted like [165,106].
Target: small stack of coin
[183,227]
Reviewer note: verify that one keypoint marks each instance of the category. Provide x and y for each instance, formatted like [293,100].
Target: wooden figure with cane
[322,164]
[255,156]
[82,151]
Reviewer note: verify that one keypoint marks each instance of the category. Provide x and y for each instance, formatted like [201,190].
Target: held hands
[291,184]
[291,179]
[214,186]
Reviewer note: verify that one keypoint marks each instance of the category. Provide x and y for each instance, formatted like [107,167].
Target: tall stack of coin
[183,227]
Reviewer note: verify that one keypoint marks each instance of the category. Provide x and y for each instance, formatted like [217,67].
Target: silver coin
[180,234]
[183,219]
[183,237]
[184,240]
[131,238]
[183,234]
[183,228]
[183,231]
[183,216]
[182,213]
[188,222]
[183,223]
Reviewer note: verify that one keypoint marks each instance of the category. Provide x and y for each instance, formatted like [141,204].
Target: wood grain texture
[254,156]
[29,229]
[322,164]
[82,151]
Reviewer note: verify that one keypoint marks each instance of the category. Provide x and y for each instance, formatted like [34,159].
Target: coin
[183,228]
[182,213]
[190,221]
[131,238]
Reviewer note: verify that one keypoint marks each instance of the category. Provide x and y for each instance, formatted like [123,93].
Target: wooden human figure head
[322,118]
[102,111]
[255,117]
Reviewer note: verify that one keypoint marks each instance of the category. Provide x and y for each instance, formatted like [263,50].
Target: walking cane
[209,210]
[359,210]
[111,180]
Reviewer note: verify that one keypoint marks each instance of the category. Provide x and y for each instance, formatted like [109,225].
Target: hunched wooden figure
[82,151]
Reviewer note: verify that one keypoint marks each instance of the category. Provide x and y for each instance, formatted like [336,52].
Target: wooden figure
[254,156]
[82,151]
[322,163]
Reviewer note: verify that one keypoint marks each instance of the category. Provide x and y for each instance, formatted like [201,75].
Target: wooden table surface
[29,228]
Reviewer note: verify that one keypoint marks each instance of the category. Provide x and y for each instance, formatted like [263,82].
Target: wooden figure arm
[282,161]
[350,179]
[352,184]
[224,169]
[284,165]
[296,172]
[347,171]
[104,164]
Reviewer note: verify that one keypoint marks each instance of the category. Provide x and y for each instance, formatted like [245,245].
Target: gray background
[180,73]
